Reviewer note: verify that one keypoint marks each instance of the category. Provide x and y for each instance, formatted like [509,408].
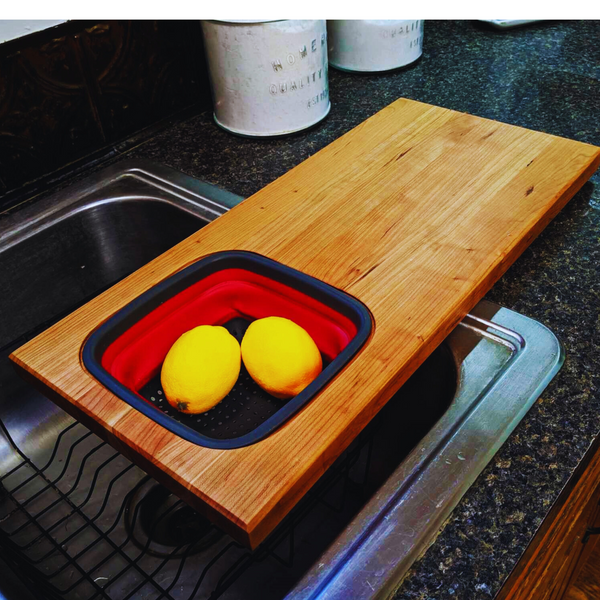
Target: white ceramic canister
[374,45]
[268,77]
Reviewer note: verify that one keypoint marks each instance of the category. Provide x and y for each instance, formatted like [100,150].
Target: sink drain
[159,523]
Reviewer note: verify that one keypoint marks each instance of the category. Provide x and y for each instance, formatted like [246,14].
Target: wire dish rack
[89,524]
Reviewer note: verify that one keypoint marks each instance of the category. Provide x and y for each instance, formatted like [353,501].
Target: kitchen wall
[72,94]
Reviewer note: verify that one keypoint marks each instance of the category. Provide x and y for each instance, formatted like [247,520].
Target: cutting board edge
[490,120]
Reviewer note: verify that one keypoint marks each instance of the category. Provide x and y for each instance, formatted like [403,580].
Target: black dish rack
[31,545]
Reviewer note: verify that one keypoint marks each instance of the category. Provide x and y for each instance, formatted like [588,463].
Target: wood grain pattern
[556,555]
[587,585]
[416,212]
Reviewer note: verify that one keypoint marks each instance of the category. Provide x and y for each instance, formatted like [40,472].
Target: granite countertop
[544,76]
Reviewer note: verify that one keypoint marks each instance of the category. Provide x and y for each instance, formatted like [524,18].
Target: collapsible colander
[231,289]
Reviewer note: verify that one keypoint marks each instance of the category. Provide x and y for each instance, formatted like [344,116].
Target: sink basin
[58,254]
[78,520]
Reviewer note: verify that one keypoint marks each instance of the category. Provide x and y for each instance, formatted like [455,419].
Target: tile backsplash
[74,91]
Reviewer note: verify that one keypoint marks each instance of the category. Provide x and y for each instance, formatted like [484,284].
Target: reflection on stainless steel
[57,254]
[502,375]
[80,521]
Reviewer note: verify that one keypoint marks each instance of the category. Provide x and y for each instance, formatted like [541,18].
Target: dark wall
[74,91]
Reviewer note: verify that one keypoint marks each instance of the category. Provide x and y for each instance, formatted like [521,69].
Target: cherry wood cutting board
[416,212]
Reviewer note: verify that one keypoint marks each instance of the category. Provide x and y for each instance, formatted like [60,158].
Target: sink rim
[384,539]
[114,184]
[200,198]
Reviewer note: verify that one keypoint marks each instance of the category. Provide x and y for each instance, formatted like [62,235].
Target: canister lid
[250,21]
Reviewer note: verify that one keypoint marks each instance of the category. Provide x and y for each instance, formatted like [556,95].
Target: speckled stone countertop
[545,76]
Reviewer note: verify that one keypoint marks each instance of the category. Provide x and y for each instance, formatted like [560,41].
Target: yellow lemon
[280,356]
[200,369]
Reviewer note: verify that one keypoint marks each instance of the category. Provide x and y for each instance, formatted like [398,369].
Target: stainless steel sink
[77,520]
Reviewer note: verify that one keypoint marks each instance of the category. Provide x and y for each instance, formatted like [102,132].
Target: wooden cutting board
[416,212]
